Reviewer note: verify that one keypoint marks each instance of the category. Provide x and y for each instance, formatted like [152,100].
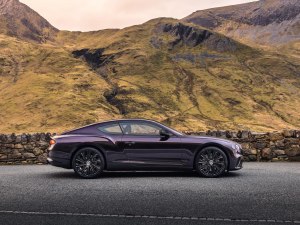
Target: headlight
[236,147]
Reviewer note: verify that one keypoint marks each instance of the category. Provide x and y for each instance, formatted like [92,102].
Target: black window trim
[144,135]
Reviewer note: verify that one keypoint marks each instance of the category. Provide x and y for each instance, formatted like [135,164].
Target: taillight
[52,142]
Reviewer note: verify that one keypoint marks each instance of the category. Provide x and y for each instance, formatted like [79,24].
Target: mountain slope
[265,22]
[43,87]
[18,20]
[179,73]
[193,78]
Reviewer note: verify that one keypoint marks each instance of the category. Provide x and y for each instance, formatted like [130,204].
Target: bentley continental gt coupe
[136,144]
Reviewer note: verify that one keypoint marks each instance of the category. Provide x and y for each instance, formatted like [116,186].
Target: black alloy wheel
[211,162]
[88,163]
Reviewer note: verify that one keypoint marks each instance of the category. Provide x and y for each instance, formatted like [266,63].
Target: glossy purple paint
[174,151]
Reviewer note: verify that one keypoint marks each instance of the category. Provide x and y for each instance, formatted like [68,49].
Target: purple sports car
[136,144]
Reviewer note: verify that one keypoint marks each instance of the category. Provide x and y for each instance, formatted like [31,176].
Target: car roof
[109,121]
[125,120]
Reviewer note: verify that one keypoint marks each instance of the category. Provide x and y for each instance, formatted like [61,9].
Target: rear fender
[72,143]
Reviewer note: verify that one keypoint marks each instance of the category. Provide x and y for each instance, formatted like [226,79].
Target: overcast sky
[88,15]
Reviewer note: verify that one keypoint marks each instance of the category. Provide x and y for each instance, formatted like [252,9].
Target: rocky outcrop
[94,57]
[98,61]
[192,36]
[276,146]
[267,22]
[20,21]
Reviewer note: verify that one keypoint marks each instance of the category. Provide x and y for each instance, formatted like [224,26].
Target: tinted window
[111,128]
[140,128]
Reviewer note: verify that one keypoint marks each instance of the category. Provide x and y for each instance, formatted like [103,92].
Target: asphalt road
[261,193]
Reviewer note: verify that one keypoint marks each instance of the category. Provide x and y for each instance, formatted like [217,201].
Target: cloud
[87,15]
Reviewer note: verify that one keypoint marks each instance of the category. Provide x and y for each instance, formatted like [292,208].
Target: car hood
[205,139]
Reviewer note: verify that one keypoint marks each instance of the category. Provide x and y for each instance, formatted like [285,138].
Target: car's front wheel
[211,162]
[88,163]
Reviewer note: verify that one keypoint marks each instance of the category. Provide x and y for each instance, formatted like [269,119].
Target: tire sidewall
[90,149]
[214,148]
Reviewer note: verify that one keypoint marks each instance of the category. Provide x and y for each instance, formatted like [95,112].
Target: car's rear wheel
[88,163]
[211,162]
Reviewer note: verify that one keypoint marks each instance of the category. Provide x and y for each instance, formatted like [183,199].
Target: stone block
[293,150]
[28,147]
[15,154]
[291,141]
[279,144]
[244,134]
[24,138]
[266,154]
[37,151]
[11,146]
[3,157]
[42,158]
[18,146]
[279,152]
[288,133]
[233,134]
[260,145]
[258,136]
[276,136]
[18,139]
[29,155]
[245,145]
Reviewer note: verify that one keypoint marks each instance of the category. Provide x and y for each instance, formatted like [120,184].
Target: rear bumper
[59,159]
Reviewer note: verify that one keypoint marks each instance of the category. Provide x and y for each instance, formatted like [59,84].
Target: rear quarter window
[110,128]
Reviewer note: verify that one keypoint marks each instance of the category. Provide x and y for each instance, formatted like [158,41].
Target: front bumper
[239,164]
[236,163]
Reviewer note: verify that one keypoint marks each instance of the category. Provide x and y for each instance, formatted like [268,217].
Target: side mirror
[164,133]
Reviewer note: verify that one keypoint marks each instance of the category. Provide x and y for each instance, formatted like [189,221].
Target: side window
[111,129]
[140,128]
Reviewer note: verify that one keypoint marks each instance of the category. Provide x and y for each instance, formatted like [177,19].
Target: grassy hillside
[171,71]
[43,87]
[181,74]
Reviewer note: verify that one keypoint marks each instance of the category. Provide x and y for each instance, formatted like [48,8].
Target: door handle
[129,143]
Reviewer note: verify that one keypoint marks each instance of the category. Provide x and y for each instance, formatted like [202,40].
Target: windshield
[172,130]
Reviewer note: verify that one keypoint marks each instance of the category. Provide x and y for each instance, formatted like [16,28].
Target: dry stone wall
[275,146]
[24,149]
[271,146]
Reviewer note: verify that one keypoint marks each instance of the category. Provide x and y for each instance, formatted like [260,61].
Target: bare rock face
[94,57]
[266,22]
[18,20]
[193,36]
[7,5]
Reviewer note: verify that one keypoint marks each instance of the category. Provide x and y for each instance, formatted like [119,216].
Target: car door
[145,147]
[114,152]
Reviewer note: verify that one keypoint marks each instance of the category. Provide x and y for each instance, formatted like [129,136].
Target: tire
[211,162]
[88,163]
